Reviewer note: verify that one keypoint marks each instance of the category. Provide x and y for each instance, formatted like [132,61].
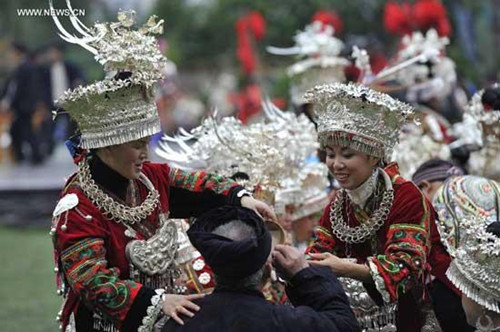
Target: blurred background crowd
[218,58]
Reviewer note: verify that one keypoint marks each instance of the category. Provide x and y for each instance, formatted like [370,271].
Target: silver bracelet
[244,192]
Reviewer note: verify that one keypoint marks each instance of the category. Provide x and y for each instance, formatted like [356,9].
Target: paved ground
[28,193]
[49,175]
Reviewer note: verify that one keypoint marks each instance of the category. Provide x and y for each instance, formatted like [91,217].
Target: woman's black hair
[491,97]
[122,76]
[238,176]
[494,228]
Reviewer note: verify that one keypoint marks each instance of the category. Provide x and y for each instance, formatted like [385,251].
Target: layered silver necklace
[113,209]
[359,234]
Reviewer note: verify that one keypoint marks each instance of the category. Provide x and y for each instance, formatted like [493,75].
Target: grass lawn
[28,300]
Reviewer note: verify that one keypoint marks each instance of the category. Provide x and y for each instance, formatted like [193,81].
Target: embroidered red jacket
[90,252]
[404,249]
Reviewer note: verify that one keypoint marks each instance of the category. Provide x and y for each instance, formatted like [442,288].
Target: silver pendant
[130,233]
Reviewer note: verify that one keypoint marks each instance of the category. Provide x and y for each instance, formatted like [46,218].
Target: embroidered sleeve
[193,193]
[404,258]
[86,271]
[198,181]
[323,239]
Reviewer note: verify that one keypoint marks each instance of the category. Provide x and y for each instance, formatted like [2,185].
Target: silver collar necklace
[365,230]
[113,209]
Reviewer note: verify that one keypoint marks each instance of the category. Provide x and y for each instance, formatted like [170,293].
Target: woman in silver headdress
[114,245]
[379,227]
[469,212]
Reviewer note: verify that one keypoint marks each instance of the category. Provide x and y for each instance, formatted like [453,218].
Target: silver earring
[486,327]
[274,276]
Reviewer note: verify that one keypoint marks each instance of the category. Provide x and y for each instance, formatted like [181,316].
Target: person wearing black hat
[431,175]
[238,247]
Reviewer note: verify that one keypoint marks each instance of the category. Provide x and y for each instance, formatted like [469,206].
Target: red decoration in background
[247,101]
[403,18]
[397,18]
[248,26]
[329,17]
[431,14]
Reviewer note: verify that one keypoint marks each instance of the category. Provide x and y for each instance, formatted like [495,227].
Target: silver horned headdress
[273,154]
[476,267]
[354,115]
[115,111]
[319,59]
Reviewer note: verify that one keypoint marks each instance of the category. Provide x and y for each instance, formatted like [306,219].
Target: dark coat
[320,304]
[74,75]
[23,89]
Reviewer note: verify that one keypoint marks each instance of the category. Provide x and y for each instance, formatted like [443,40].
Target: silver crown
[353,115]
[115,111]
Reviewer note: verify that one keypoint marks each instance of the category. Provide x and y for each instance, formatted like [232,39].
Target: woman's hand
[259,207]
[339,266]
[174,305]
[342,267]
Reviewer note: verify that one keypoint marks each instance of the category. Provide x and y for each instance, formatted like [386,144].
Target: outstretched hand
[261,208]
[175,305]
[342,267]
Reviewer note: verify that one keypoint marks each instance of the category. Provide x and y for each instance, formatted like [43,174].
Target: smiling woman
[379,221]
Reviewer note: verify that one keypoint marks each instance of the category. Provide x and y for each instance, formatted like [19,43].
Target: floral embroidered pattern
[403,261]
[200,180]
[323,242]
[85,268]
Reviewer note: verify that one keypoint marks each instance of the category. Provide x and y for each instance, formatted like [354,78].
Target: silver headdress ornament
[476,267]
[480,132]
[116,111]
[272,153]
[419,49]
[461,198]
[489,121]
[320,61]
[354,115]
[421,139]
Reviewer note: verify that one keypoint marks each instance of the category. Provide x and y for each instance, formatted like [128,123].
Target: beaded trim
[152,312]
[379,281]
[114,210]
[361,233]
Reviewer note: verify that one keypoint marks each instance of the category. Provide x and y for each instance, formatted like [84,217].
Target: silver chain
[359,234]
[113,209]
